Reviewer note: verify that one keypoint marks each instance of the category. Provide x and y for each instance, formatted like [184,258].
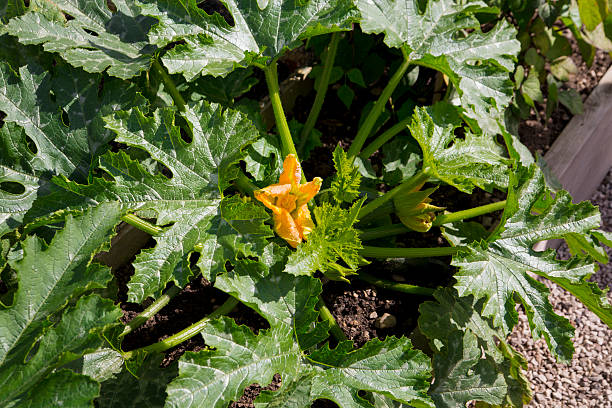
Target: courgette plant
[103,120]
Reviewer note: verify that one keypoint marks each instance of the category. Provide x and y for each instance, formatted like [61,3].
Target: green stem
[141,224]
[384,138]
[150,311]
[469,213]
[185,334]
[277,106]
[378,252]
[377,109]
[407,185]
[396,229]
[328,66]
[244,184]
[170,86]
[399,287]
[382,232]
[334,328]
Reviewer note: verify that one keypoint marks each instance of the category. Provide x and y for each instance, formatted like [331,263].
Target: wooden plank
[582,155]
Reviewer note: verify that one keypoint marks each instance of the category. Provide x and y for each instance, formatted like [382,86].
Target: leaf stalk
[170,86]
[398,287]
[271,74]
[384,138]
[378,108]
[186,333]
[328,66]
[407,185]
[141,224]
[151,311]
[379,252]
[469,213]
[334,328]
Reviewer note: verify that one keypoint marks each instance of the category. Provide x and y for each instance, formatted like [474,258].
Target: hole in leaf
[216,6]
[164,170]
[31,145]
[90,32]
[185,136]
[2,116]
[111,6]
[173,44]
[65,118]
[361,393]
[68,16]
[323,403]
[12,187]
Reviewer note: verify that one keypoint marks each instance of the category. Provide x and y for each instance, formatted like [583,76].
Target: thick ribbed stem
[407,185]
[150,311]
[399,287]
[328,66]
[384,138]
[141,224]
[378,252]
[170,86]
[379,106]
[277,106]
[185,334]
[469,213]
[334,328]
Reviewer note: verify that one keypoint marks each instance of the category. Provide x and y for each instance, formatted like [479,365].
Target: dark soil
[356,306]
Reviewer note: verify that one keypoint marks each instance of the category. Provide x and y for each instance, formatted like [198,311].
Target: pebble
[373,315]
[586,382]
[386,321]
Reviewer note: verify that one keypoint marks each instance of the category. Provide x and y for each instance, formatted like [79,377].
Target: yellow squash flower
[288,200]
[414,209]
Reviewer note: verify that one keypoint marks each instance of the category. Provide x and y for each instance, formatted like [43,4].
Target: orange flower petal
[292,171]
[286,228]
[309,190]
[303,219]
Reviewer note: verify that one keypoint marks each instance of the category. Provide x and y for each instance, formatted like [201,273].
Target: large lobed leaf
[477,63]
[472,360]
[238,357]
[260,32]
[189,199]
[50,276]
[45,136]
[476,160]
[75,334]
[98,36]
[497,269]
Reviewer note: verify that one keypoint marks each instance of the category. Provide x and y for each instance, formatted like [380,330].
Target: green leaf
[334,239]
[497,269]
[191,201]
[96,38]
[76,333]
[345,185]
[461,375]
[432,38]
[76,391]
[401,159]
[476,161]
[354,75]
[445,322]
[50,275]
[44,136]
[214,47]
[563,68]
[144,387]
[571,99]
[592,13]
[217,376]
[289,300]
[346,95]
[531,88]
[225,90]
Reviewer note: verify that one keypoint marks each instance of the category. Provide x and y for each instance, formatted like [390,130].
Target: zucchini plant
[129,111]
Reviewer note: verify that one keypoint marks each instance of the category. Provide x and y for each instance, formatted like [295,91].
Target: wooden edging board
[582,154]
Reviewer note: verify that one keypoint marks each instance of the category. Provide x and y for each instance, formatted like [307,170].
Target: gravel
[587,381]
